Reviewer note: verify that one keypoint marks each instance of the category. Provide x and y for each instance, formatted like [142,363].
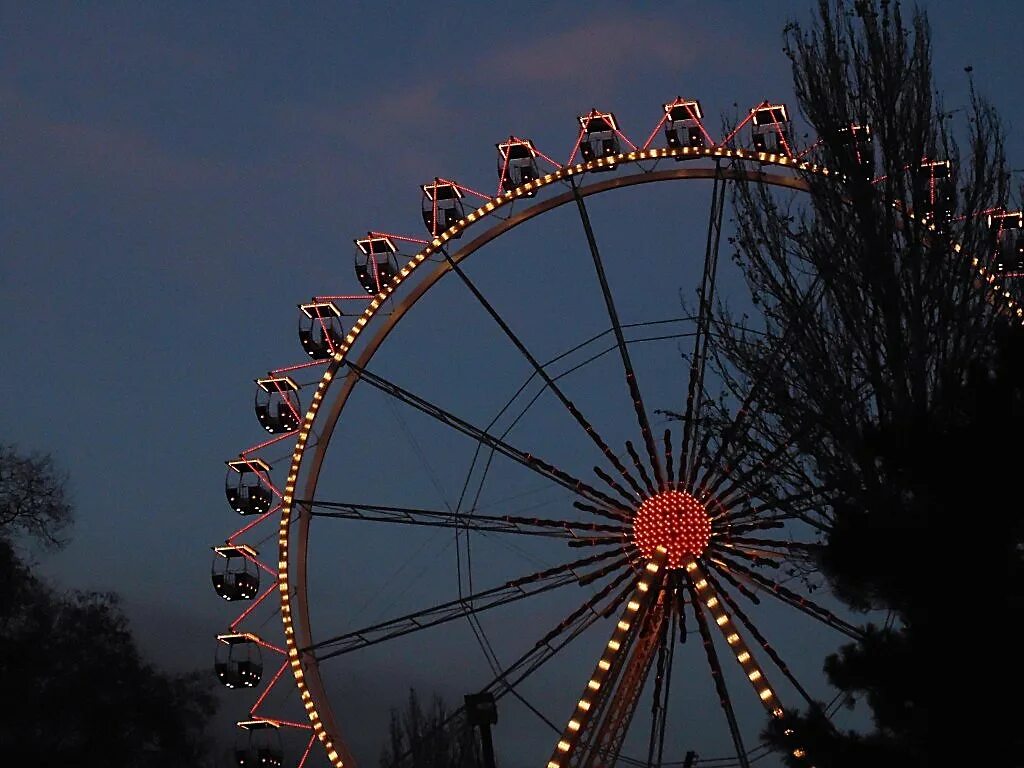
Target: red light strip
[376,271]
[346,297]
[781,135]
[404,238]
[504,168]
[263,476]
[265,443]
[254,523]
[817,144]
[693,116]
[460,187]
[292,724]
[274,679]
[625,138]
[260,564]
[300,366]
[545,157]
[287,400]
[234,625]
[738,128]
[579,140]
[327,337]
[305,755]
[433,203]
[265,644]
[664,119]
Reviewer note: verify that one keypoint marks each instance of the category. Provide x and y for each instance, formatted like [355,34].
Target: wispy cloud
[602,50]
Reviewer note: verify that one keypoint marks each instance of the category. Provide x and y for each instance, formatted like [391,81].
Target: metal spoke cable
[512,591]
[526,459]
[545,376]
[687,456]
[631,382]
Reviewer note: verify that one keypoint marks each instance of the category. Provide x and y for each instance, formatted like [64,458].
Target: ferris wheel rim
[293,545]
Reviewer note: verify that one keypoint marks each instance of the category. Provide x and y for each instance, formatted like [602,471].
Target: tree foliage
[887,378]
[73,687]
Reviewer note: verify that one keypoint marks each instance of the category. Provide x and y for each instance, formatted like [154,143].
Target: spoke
[526,459]
[733,606]
[778,361]
[512,591]
[600,511]
[770,547]
[640,467]
[698,362]
[544,650]
[610,666]
[789,597]
[526,526]
[542,372]
[706,594]
[662,680]
[620,339]
[725,495]
[716,676]
[668,453]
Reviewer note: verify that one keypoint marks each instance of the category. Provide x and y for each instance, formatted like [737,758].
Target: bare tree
[33,497]
[428,737]
[887,375]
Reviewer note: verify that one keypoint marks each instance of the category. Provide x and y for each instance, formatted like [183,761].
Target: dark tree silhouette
[33,497]
[428,737]
[891,382]
[73,688]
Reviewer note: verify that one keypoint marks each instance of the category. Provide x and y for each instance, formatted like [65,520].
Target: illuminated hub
[674,520]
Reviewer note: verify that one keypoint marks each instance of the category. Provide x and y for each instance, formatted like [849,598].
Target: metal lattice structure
[672,528]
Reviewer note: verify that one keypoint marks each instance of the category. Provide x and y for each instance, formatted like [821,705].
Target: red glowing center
[674,520]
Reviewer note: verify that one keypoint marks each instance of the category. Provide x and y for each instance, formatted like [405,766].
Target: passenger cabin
[442,206]
[277,404]
[599,137]
[234,572]
[376,262]
[238,662]
[683,127]
[1008,242]
[258,744]
[246,486]
[320,328]
[517,164]
[771,129]
[859,140]
[934,193]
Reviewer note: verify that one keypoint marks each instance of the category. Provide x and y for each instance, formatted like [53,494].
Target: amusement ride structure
[676,532]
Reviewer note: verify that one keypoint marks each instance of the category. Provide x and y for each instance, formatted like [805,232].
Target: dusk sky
[177,177]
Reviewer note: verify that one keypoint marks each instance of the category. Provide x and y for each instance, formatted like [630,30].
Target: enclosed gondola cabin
[858,139]
[258,744]
[234,572]
[246,486]
[599,137]
[771,129]
[277,404]
[934,193]
[1008,242]
[319,328]
[683,127]
[442,206]
[517,164]
[238,662]
[376,262]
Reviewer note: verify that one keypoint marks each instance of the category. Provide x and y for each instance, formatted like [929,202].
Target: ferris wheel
[652,526]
